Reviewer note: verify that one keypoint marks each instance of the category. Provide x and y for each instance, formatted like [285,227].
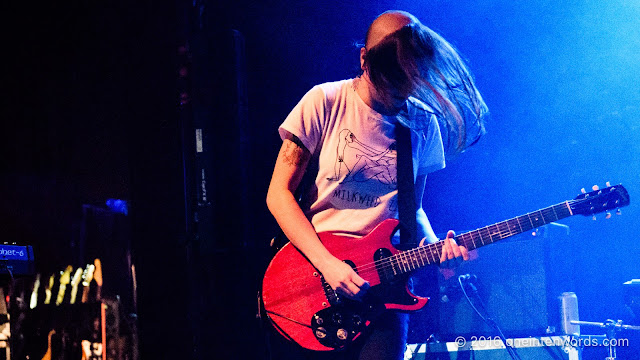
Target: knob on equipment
[321,333]
[357,320]
[342,334]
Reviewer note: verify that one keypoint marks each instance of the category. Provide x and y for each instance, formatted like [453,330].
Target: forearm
[424,227]
[288,172]
[295,225]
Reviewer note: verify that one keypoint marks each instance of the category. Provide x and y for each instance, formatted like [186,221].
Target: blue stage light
[118,206]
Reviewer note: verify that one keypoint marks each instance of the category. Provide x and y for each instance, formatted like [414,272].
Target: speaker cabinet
[518,279]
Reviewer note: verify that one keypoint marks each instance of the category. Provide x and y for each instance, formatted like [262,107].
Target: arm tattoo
[294,154]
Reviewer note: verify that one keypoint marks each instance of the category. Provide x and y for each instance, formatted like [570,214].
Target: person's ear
[363,54]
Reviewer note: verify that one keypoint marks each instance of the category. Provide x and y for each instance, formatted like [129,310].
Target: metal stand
[611,330]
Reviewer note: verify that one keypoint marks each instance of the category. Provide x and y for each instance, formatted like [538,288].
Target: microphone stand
[611,329]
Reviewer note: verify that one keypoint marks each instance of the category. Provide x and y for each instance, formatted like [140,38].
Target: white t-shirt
[354,147]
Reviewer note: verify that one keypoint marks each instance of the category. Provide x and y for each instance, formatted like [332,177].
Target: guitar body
[307,311]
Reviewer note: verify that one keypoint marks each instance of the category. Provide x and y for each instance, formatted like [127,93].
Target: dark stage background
[92,110]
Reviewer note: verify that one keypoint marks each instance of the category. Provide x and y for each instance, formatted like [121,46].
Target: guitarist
[343,132]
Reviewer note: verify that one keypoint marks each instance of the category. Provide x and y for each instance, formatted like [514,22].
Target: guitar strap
[406,187]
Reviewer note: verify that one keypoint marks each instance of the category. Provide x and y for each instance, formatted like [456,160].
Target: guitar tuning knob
[583,191]
[618,212]
[608,216]
[593,218]
[608,184]
[595,187]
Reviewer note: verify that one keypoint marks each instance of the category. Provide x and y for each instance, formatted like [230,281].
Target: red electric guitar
[304,308]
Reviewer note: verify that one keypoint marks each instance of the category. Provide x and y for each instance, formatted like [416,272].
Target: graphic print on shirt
[363,172]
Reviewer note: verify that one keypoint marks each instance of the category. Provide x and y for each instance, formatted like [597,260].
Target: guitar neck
[407,261]
[502,230]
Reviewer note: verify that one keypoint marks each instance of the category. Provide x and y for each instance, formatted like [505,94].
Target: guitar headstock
[600,200]
[87,275]
[52,279]
[76,277]
[65,276]
[97,273]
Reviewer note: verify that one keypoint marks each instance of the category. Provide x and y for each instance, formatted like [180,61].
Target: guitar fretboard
[407,261]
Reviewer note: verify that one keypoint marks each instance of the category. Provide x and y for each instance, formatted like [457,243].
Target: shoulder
[420,116]
[324,95]
[330,91]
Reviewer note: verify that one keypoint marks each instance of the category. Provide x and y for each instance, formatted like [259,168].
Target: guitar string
[438,246]
[385,264]
[424,253]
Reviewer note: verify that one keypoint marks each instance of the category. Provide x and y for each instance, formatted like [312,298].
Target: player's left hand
[452,254]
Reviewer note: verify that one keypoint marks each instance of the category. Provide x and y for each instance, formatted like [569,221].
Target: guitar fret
[553,208]
[498,232]
[467,240]
[480,236]
[519,224]
[531,222]
[528,225]
[541,217]
[398,258]
[412,260]
[513,230]
[538,218]
[422,256]
[506,223]
[473,241]
[431,246]
[492,232]
[495,232]
[507,230]
[407,263]
[438,250]
[463,241]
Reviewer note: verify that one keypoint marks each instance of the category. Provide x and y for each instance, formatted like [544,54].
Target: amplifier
[519,280]
[539,348]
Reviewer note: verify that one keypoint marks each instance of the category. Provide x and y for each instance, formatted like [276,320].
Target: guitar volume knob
[321,333]
[342,334]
